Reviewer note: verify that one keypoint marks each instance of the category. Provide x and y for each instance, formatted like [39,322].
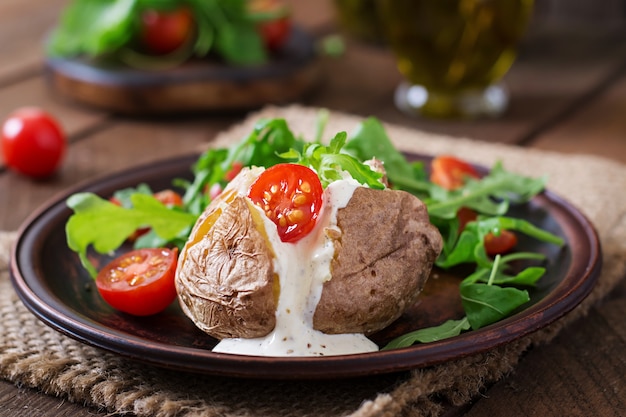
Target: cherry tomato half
[450,172]
[500,244]
[273,22]
[291,196]
[140,282]
[32,142]
[164,31]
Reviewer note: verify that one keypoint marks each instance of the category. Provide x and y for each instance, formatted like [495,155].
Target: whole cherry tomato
[164,31]
[140,282]
[450,173]
[291,196]
[273,22]
[33,142]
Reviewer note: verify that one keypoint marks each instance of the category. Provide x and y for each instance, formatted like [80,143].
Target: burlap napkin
[33,355]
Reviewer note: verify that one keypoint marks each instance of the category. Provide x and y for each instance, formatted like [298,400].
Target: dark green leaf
[485,304]
[446,330]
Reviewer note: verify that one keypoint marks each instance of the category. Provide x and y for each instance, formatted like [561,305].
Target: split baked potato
[384,249]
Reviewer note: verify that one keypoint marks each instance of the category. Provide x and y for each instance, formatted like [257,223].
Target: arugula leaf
[490,195]
[469,247]
[370,140]
[269,138]
[329,161]
[106,226]
[485,304]
[527,277]
[445,330]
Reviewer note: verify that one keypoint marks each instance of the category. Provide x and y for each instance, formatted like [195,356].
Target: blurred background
[569,62]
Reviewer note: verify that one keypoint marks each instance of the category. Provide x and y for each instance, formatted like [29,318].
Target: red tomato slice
[164,31]
[450,173]
[140,282]
[501,244]
[32,142]
[291,196]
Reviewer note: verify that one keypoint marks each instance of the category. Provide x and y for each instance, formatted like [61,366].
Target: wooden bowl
[200,85]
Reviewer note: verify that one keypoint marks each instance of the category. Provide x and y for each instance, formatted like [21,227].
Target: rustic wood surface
[569,94]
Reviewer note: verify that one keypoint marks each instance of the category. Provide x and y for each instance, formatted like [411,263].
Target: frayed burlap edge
[33,355]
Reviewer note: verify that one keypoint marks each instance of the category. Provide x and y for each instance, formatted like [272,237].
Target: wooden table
[569,95]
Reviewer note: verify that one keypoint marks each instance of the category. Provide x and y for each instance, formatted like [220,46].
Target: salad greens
[109,28]
[106,226]
[496,287]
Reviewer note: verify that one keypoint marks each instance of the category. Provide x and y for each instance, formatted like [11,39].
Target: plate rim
[199,360]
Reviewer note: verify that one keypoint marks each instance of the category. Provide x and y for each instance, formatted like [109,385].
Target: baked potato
[383,250]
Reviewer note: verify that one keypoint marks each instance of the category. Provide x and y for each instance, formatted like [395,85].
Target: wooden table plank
[23,27]
[26,402]
[35,92]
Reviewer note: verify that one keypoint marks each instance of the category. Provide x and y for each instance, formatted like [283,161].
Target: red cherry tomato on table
[33,143]
[291,196]
[140,282]
[451,173]
[164,31]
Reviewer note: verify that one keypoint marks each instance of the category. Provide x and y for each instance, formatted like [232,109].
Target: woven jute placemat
[31,354]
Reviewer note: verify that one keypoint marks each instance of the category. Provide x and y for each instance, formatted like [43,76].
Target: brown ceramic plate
[52,284]
[202,85]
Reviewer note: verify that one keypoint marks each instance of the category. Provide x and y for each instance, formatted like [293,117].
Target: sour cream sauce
[302,268]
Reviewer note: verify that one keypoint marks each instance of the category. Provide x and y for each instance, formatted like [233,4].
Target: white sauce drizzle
[303,267]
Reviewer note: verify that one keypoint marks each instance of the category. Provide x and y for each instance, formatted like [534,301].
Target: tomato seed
[282,221]
[305,187]
[295,215]
[299,199]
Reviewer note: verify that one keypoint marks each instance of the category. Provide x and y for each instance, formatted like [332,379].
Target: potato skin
[383,257]
[225,279]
